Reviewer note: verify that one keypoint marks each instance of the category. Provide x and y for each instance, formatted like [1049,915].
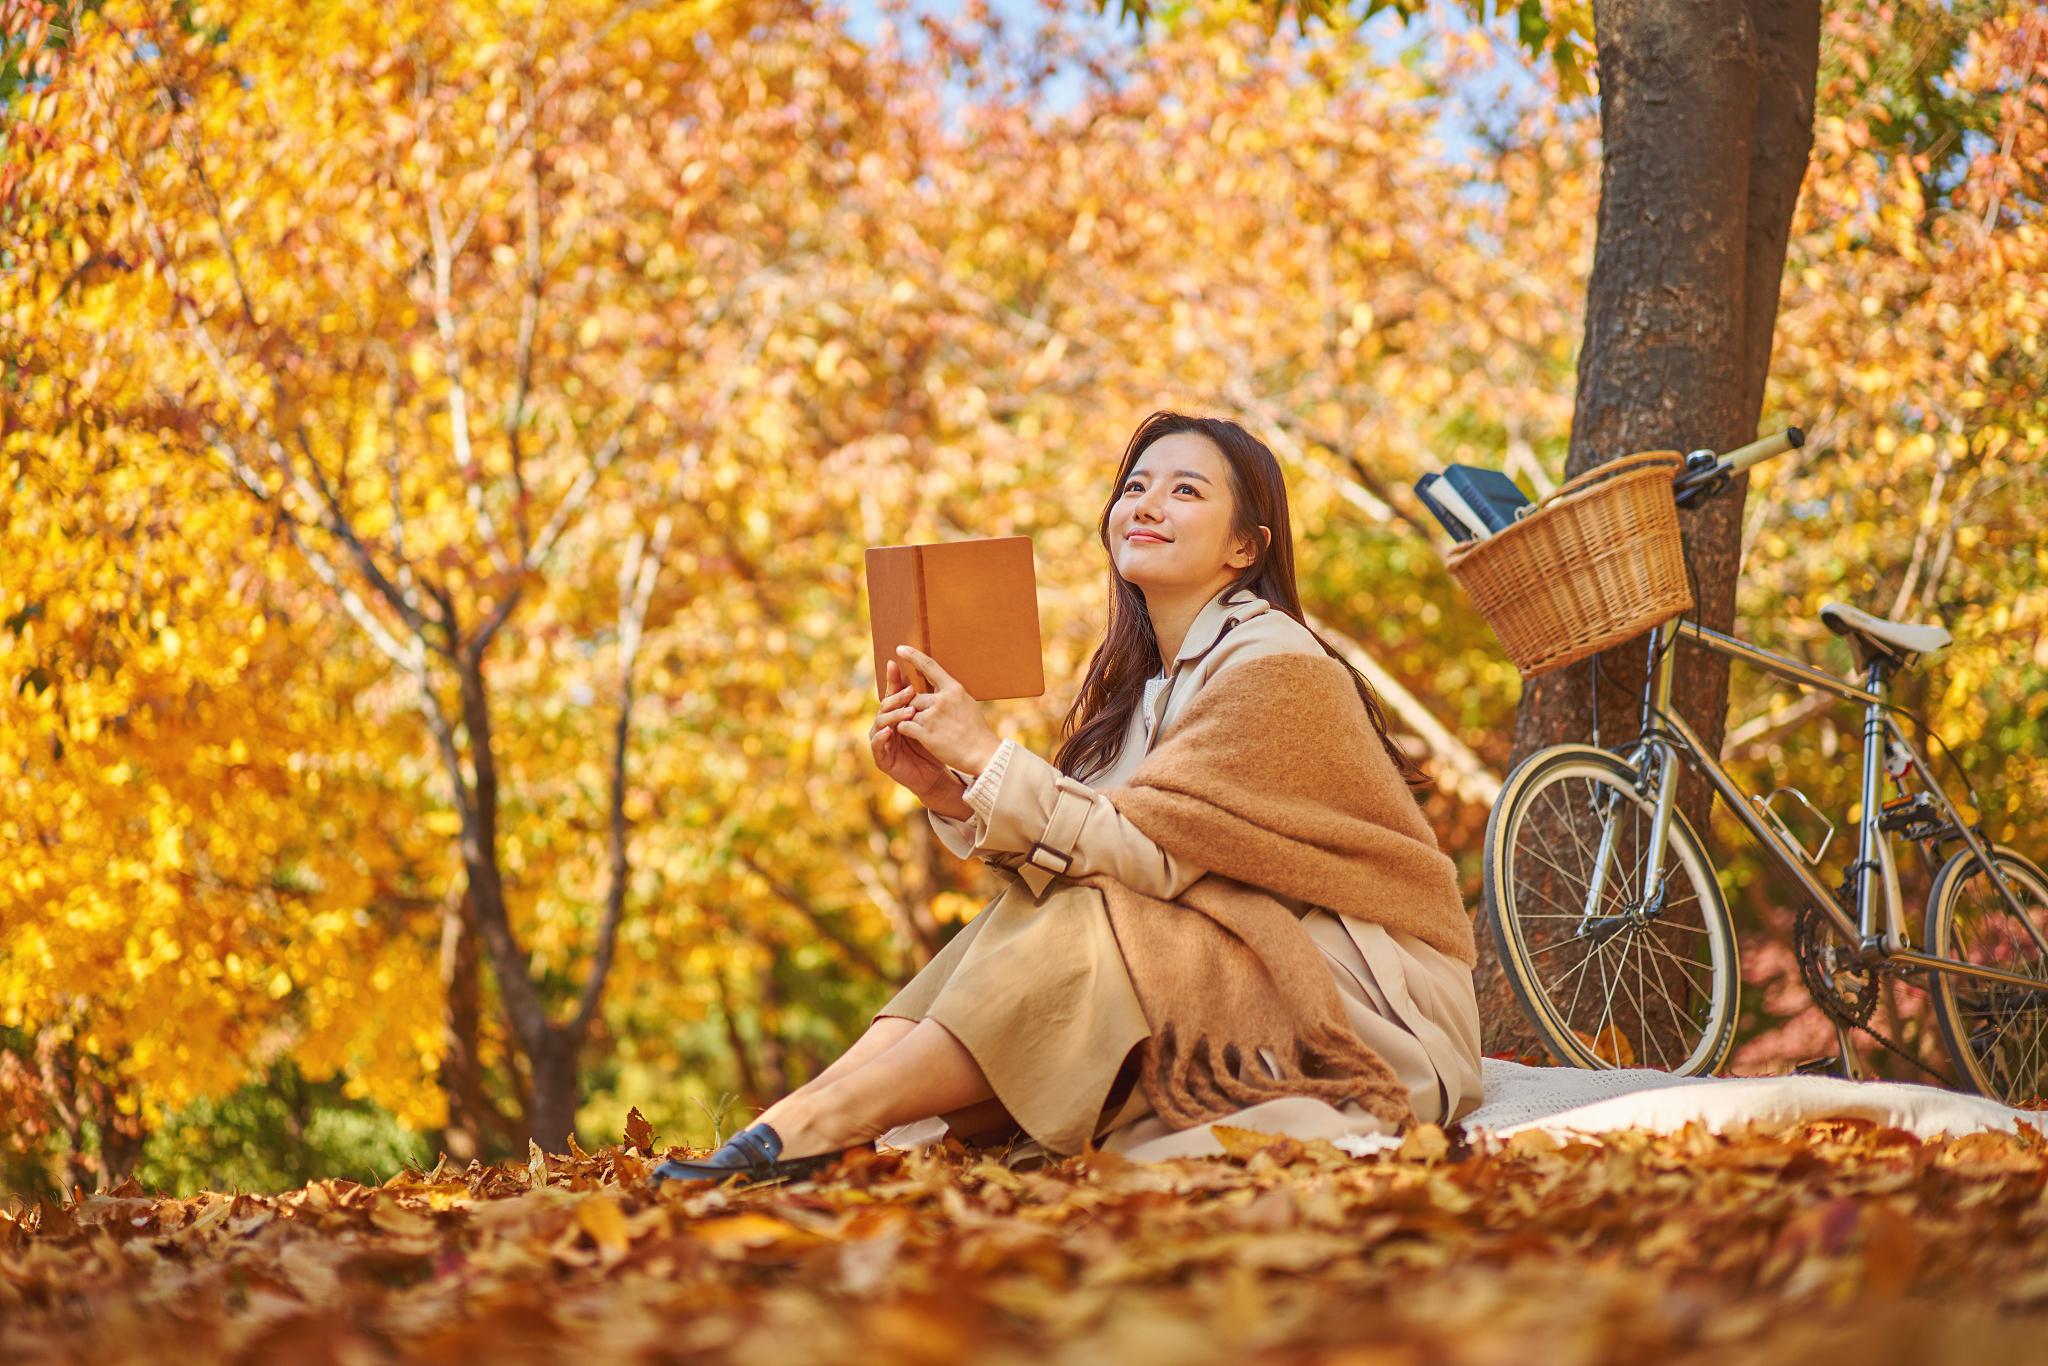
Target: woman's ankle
[825,1120]
[778,1114]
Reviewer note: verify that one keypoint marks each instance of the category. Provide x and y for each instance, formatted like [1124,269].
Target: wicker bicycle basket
[1593,564]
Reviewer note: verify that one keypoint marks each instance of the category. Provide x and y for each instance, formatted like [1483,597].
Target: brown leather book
[971,605]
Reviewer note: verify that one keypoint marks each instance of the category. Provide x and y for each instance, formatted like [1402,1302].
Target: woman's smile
[1176,502]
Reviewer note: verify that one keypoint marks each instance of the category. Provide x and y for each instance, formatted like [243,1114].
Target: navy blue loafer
[754,1154]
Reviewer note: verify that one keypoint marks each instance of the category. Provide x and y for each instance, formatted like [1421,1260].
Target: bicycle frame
[1666,736]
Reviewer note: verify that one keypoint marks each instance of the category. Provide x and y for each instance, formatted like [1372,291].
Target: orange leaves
[601,1218]
[1724,1248]
[639,1133]
[1610,1045]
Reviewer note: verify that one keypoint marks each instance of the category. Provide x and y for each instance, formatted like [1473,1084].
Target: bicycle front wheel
[1997,1034]
[1611,972]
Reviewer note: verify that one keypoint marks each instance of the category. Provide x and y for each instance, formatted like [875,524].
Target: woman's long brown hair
[1129,654]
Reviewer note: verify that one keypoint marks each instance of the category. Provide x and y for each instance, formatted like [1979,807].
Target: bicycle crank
[1843,988]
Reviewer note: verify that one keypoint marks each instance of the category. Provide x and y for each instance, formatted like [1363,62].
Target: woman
[1029,1020]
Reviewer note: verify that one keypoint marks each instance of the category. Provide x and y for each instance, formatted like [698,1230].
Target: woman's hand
[946,721]
[902,758]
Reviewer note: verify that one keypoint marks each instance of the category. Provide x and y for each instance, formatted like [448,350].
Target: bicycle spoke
[1546,896]
[1608,990]
[1578,969]
[2030,1057]
[1621,976]
[1571,829]
[1571,1011]
[1589,855]
[1686,966]
[1678,1018]
[2028,1048]
[1556,945]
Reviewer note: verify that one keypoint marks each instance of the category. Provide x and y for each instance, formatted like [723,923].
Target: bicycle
[1591,873]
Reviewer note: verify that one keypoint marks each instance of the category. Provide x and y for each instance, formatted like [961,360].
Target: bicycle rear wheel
[1633,976]
[1998,1035]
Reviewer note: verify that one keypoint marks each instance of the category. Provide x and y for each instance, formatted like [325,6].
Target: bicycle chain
[1807,944]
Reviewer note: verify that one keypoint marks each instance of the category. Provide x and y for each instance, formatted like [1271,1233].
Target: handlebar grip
[1743,457]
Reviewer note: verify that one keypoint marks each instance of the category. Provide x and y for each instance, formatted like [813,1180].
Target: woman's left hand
[947,721]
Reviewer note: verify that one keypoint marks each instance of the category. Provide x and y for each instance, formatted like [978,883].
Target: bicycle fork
[1653,857]
[1657,700]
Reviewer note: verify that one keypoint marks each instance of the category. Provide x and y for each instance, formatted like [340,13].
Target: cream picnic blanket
[1571,1100]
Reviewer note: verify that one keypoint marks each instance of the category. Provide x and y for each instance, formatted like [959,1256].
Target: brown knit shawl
[1271,778]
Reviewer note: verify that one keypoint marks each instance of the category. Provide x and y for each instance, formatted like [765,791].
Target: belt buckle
[1066,860]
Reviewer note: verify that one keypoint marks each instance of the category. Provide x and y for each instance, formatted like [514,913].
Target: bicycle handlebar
[1739,460]
[1705,473]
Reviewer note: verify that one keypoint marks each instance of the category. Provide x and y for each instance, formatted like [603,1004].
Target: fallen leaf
[639,1133]
[601,1218]
[1424,1143]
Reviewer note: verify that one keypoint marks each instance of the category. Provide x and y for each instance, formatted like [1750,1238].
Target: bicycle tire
[2024,1085]
[1525,787]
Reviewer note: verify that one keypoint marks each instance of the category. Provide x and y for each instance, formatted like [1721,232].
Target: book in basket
[971,605]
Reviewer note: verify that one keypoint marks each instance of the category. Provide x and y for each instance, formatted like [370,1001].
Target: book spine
[924,622]
[1426,490]
[1488,493]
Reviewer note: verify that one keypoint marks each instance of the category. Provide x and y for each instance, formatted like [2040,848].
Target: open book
[971,605]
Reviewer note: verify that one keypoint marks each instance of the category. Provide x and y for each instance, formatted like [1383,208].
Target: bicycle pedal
[1828,1065]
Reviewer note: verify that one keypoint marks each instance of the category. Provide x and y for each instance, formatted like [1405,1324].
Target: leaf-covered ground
[1841,1238]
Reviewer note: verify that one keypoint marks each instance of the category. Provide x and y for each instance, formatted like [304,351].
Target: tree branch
[801,904]
[217,361]
[323,568]
[458,388]
[1469,779]
[636,591]
[529,318]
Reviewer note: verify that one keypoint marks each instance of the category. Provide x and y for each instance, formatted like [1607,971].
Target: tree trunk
[1706,115]
[927,878]
[461,1020]
[774,1066]
[551,1049]
[85,1097]
[551,1113]
[751,1096]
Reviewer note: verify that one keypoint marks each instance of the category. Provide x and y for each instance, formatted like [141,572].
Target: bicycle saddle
[1895,640]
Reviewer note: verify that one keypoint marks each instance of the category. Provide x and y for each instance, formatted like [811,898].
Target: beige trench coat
[1035,988]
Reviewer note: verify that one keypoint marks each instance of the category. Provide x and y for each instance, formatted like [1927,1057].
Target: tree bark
[462,1137]
[774,1066]
[551,1112]
[1706,115]
[751,1093]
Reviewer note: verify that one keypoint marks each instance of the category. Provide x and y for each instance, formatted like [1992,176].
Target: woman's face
[1169,527]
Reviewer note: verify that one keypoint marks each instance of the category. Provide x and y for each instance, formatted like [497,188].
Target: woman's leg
[882,1035]
[926,1072]
[986,1117]
[988,1120]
